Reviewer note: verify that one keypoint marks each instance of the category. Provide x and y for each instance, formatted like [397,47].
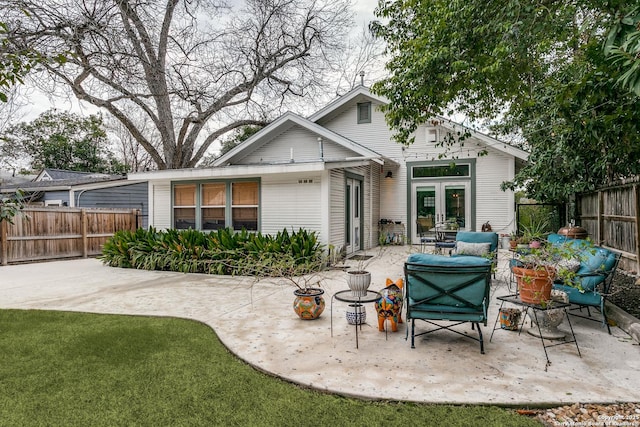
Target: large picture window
[215,205]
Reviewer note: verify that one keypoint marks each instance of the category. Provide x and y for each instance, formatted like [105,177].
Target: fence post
[600,221]
[85,240]
[4,252]
[136,215]
[636,193]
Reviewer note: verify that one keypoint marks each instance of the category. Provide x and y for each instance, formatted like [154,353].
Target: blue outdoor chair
[450,289]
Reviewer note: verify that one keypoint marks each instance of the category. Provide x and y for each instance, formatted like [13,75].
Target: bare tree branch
[194,69]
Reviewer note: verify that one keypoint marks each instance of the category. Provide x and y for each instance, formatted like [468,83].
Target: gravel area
[625,293]
[623,414]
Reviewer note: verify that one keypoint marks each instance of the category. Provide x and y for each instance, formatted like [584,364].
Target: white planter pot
[358,282]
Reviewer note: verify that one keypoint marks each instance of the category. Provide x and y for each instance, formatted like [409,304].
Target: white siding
[336,209]
[287,203]
[305,148]
[493,204]
[160,213]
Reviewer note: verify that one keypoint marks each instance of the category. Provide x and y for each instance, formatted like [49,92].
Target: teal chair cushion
[478,237]
[590,298]
[445,261]
[600,261]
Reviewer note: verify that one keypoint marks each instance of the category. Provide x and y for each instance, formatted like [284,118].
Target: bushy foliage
[220,252]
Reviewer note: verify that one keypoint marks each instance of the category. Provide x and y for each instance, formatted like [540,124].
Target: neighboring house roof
[60,184]
[286,121]
[61,174]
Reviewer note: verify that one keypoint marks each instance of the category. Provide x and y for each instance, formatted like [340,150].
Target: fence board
[610,216]
[51,233]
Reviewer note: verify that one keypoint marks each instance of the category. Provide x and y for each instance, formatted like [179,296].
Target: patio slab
[257,323]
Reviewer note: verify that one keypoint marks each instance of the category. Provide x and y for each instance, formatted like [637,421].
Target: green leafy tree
[623,47]
[537,68]
[62,140]
[11,206]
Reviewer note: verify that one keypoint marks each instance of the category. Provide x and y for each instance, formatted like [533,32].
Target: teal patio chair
[447,289]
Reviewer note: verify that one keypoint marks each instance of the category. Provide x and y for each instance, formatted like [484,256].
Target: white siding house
[339,173]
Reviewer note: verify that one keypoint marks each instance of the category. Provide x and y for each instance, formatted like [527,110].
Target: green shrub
[219,252]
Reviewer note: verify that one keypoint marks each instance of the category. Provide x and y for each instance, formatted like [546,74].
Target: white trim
[344,99]
[284,122]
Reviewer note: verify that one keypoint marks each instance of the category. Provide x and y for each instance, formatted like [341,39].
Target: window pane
[364,112]
[213,194]
[184,195]
[440,171]
[184,218]
[244,193]
[212,218]
[245,218]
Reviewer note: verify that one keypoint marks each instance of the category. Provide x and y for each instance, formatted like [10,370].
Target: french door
[440,203]
[353,207]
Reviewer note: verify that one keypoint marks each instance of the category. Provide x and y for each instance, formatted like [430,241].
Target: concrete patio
[257,323]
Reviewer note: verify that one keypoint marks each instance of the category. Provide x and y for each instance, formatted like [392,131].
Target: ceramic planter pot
[356,314]
[534,285]
[309,303]
[358,282]
[510,318]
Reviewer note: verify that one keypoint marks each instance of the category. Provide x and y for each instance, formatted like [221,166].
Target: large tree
[195,69]
[537,68]
[60,140]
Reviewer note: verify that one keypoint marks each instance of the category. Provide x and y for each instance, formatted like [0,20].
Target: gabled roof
[362,91]
[486,139]
[358,91]
[286,121]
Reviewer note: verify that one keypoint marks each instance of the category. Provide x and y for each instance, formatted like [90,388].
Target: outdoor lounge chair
[592,282]
[477,243]
[449,289]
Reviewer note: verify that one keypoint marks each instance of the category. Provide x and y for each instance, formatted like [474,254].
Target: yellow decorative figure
[389,305]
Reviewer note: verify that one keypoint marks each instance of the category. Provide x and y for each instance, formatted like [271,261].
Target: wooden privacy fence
[51,233]
[610,215]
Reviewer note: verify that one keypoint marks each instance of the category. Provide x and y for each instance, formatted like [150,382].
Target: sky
[40,103]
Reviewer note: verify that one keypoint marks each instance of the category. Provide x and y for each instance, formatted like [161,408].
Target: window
[364,112]
[216,205]
[244,205]
[441,171]
[213,206]
[184,206]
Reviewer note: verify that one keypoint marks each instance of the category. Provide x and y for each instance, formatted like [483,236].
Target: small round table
[347,296]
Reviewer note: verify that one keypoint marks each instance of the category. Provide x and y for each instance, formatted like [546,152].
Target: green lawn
[77,369]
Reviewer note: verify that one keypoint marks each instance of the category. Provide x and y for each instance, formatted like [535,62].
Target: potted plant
[304,273]
[535,232]
[536,270]
[358,278]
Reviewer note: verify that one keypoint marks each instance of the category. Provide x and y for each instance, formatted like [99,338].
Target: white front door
[434,203]
[353,206]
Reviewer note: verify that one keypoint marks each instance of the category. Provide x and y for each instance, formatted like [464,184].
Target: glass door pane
[455,205]
[425,208]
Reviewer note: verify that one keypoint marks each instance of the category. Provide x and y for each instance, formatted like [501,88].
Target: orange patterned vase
[309,303]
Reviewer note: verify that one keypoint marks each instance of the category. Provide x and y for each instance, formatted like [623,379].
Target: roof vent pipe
[361,78]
